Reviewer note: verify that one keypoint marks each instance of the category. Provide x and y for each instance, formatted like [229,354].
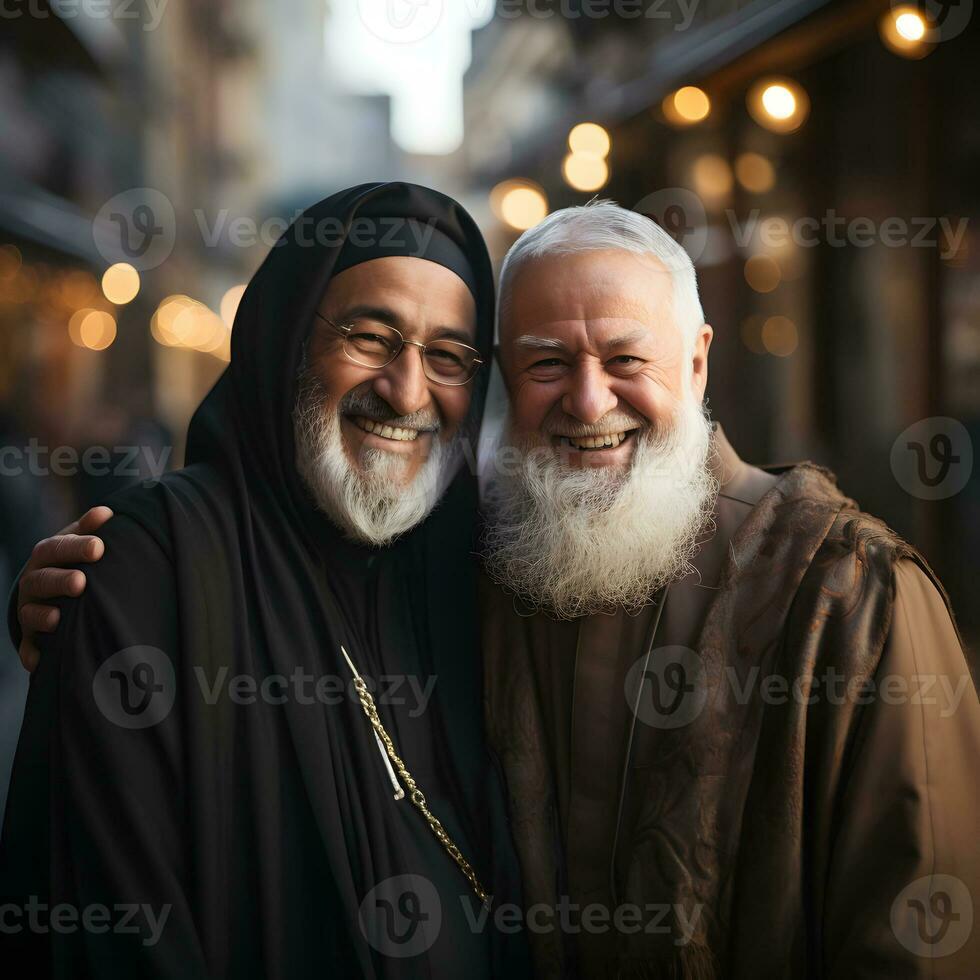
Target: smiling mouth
[592,444]
[385,430]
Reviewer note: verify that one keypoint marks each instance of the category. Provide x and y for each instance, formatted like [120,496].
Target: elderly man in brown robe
[733,712]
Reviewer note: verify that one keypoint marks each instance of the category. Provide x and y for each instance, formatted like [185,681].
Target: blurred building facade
[837,253]
[837,258]
[176,139]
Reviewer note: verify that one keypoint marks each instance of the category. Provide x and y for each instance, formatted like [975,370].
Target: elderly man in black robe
[734,715]
[205,786]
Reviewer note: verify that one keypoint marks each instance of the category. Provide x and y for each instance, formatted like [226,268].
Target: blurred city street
[818,160]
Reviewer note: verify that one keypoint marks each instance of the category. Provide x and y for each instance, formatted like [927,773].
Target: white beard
[374,503]
[575,542]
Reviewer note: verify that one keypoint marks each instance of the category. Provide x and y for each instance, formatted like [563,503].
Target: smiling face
[377,446]
[395,409]
[592,354]
[614,486]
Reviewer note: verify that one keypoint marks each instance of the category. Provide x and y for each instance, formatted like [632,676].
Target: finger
[29,655]
[66,549]
[90,521]
[48,583]
[93,519]
[35,618]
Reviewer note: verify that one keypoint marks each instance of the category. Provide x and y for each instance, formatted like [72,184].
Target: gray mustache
[373,406]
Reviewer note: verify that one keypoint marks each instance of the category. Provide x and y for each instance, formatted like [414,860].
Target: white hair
[600,225]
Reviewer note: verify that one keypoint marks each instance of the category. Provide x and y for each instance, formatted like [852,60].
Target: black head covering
[266,585]
[413,238]
[255,396]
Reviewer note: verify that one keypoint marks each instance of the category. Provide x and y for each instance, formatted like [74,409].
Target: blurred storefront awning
[726,49]
[29,213]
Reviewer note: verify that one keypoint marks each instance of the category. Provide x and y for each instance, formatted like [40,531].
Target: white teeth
[609,441]
[387,431]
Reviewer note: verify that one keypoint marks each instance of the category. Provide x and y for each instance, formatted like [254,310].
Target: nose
[589,396]
[403,384]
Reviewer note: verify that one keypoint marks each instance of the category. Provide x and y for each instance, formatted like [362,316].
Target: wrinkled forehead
[593,290]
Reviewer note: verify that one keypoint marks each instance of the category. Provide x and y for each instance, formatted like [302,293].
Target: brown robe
[667,767]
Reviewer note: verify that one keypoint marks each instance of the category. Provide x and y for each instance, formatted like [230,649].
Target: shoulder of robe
[879,551]
[924,617]
[128,592]
[855,562]
[151,507]
[143,508]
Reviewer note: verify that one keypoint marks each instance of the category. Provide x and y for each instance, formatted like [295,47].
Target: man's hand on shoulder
[49,575]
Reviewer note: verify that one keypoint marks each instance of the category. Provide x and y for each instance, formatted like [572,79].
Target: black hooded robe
[253,832]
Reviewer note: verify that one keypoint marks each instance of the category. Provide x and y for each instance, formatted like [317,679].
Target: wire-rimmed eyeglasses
[374,344]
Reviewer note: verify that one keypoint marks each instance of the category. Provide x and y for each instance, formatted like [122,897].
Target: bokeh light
[779,104]
[95,329]
[711,178]
[762,273]
[687,106]
[911,26]
[755,172]
[521,204]
[180,321]
[589,138]
[75,324]
[120,283]
[904,30]
[779,336]
[584,171]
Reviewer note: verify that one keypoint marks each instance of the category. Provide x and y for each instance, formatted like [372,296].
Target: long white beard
[375,503]
[581,541]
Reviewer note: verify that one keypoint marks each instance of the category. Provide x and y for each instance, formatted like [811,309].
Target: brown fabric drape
[743,809]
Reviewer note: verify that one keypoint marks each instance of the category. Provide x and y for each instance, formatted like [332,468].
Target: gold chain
[414,793]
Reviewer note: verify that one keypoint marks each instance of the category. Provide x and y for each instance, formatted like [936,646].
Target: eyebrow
[382,313]
[388,316]
[530,342]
